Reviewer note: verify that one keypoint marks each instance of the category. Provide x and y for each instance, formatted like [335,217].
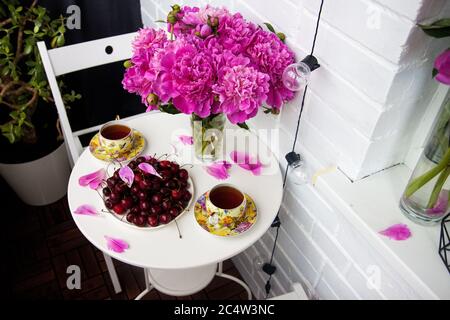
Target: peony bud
[171,18]
[281,36]
[152,99]
[213,22]
[128,64]
[176,8]
[205,31]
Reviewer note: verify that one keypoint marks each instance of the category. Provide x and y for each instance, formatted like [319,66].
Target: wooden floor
[39,243]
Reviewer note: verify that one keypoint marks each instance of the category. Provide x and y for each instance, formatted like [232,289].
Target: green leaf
[434,72]
[28,49]
[60,40]
[270,27]
[243,125]
[438,29]
[169,108]
[160,21]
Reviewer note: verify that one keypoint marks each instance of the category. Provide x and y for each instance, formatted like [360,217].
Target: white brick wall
[361,111]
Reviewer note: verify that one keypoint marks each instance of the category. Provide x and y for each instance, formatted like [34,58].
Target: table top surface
[162,248]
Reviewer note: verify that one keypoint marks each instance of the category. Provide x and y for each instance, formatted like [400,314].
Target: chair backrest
[77,57]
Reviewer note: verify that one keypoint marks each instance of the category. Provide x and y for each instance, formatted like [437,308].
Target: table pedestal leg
[187,281]
[148,286]
[220,273]
[112,273]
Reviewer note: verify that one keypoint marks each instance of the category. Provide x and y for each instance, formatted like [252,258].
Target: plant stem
[418,182]
[438,187]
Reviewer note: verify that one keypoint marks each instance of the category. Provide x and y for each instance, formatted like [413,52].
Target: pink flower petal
[86,209]
[127,175]
[186,139]
[397,232]
[441,205]
[116,245]
[148,168]
[246,162]
[93,180]
[219,169]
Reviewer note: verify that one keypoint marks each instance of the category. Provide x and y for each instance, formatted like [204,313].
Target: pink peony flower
[140,77]
[272,56]
[241,89]
[187,75]
[235,33]
[442,65]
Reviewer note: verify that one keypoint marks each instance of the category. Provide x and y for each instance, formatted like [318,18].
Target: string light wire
[277,222]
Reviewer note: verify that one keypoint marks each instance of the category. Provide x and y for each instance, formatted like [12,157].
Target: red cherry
[135,189]
[187,195]
[135,210]
[157,198]
[139,221]
[138,178]
[120,187]
[111,182]
[152,161]
[144,205]
[144,185]
[176,194]
[106,192]
[115,197]
[156,185]
[174,212]
[140,159]
[165,191]
[142,195]
[155,209]
[109,204]
[130,217]
[133,164]
[165,218]
[166,205]
[127,202]
[164,164]
[171,184]
[183,174]
[116,175]
[118,208]
[152,220]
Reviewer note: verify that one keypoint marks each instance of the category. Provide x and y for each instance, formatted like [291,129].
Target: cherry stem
[179,233]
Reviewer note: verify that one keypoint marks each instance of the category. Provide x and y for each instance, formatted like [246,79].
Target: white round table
[162,249]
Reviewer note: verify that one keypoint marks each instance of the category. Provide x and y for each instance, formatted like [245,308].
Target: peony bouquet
[209,62]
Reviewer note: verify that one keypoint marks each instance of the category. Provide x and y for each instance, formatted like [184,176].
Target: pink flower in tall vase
[187,75]
[241,89]
[213,62]
[272,56]
[442,65]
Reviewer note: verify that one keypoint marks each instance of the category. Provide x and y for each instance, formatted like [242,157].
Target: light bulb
[295,77]
[298,172]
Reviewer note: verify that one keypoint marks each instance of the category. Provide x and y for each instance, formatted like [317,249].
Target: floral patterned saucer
[225,229]
[100,153]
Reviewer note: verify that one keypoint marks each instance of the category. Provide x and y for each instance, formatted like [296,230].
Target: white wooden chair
[78,57]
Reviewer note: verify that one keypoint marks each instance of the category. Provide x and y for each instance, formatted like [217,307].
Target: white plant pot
[42,181]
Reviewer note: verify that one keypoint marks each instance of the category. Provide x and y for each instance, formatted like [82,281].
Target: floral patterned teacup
[115,138]
[225,205]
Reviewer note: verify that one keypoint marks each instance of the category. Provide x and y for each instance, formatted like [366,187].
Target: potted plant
[32,148]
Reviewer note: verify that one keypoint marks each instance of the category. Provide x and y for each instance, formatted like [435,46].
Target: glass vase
[426,197]
[207,134]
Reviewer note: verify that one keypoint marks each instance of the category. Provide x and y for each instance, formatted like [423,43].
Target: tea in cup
[115,138]
[225,205]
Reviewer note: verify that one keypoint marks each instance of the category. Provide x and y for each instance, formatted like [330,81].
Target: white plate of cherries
[152,201]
